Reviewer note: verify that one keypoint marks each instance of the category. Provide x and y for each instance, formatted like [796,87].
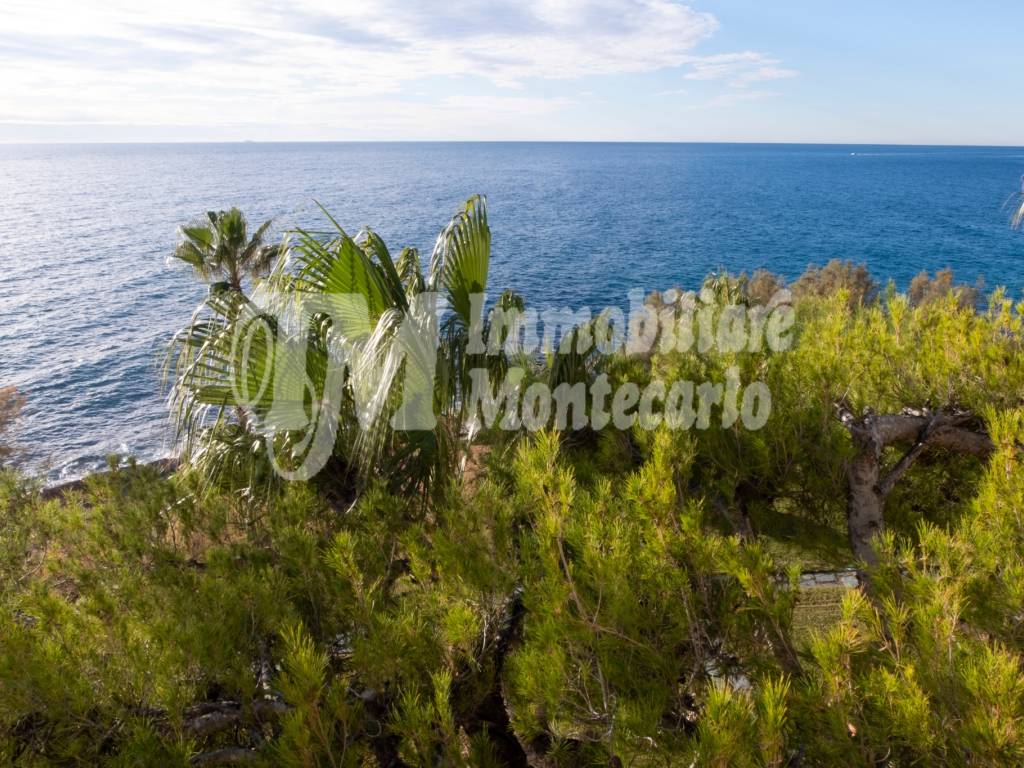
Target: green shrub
[585,599]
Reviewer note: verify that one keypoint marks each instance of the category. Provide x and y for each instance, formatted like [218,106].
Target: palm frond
[368,347]
[201,235]
[377,251]
[256,240]
[263,261]
[256,258]
[341,268]
[218,249]
[410,272]
[461,258]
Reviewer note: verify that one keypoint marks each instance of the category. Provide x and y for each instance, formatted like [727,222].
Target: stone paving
[849,579]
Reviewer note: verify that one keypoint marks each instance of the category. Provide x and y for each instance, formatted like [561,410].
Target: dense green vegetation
[480,596]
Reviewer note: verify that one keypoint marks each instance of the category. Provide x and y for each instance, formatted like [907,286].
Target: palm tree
[219,250]
[211,368]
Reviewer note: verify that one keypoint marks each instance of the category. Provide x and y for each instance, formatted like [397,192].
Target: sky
[900,71]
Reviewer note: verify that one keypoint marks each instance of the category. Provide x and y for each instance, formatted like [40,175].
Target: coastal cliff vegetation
[471,595]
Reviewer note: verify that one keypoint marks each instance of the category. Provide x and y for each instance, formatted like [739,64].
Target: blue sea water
[88,300]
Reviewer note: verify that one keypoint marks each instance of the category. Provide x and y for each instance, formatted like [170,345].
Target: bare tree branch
[955,431]
[907,461]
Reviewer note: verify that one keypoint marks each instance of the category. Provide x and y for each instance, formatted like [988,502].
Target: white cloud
[345,63]
[739,69]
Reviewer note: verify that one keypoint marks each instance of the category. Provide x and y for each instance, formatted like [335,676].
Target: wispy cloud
[739,69]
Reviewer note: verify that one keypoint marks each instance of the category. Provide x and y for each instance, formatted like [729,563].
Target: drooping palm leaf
[377,251]
[461,258]
[409,272]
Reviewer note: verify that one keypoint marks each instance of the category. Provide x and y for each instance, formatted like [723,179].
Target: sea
[89,299]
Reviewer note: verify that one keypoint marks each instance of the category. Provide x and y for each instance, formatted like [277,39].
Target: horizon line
[708,142]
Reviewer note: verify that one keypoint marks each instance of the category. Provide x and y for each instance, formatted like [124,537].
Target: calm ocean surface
[87,299]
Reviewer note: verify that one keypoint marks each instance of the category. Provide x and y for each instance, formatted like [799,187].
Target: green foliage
[220,251]
[236,360]
[585,599]
[886,356]
[11,404]
[630,604]
[930,669]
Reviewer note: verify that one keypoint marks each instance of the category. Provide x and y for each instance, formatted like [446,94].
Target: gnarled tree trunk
[868,487]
